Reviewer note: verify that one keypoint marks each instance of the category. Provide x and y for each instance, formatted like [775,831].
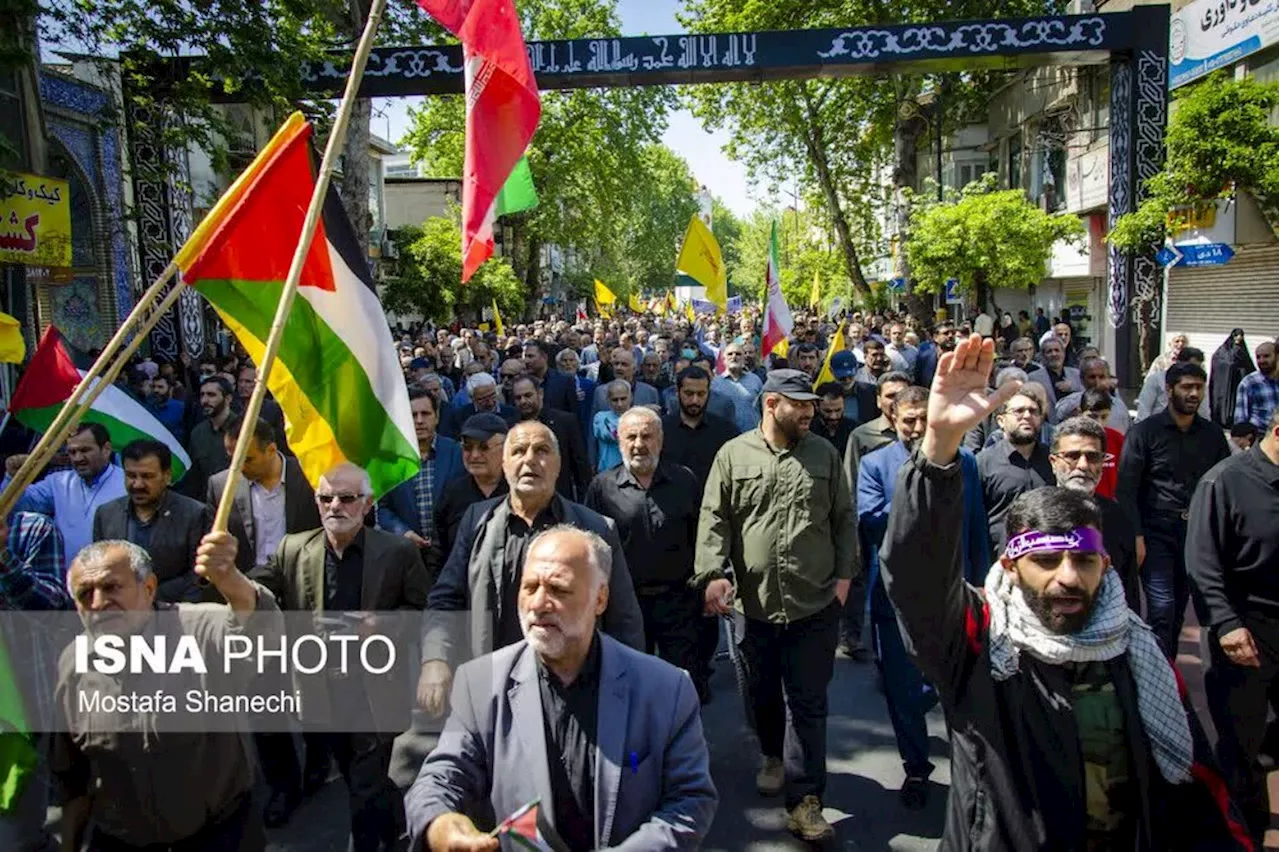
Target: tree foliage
[1220,141]
[804,250]
[426,278]
[834,136]
[984,238]
[595,160]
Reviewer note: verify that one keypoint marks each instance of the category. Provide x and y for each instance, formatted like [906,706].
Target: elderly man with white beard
[655,505]
[560,718]
[1078,454]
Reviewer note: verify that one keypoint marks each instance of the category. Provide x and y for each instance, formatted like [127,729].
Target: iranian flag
[337,376]
[502,110]
[52,376]
[777,316]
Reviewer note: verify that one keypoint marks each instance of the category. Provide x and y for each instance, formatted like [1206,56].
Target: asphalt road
[864,773]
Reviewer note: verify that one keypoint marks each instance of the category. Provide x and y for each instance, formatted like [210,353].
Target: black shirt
[1006,474]
[1233,545]
[519,534]
[344,575]
[139,531]
[695,448]
[569,715]
[455,499]
[840,440]
[1161,464]
[658,526]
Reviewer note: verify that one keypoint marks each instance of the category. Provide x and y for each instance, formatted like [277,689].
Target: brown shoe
[771,777]
[806,821]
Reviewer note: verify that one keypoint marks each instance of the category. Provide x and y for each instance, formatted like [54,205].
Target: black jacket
[1016,779]
[1229,365]
[575,466]
[176,532]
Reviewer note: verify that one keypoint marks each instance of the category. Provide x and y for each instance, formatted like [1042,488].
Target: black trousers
[671,619]
[1239,698]
[278,759]
[374,802]
[1164,579]
[855,607]
[794,660]
[241,830]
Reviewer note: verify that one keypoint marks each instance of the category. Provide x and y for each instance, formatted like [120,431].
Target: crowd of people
[597,503]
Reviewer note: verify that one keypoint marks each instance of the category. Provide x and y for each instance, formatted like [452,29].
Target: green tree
[1220,141]
[984,238]
[588,157]
[835,136]
[429,268]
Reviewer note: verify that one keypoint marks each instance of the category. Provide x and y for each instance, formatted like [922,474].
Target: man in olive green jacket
[777,511]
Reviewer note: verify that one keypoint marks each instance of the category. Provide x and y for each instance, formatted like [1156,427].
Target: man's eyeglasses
[1092,457]
[344,499]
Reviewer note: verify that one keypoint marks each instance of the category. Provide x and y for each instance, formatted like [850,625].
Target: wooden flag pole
[79,402]
[332,151]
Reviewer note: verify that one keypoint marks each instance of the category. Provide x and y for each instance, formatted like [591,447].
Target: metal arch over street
[1134,43]
[951,46]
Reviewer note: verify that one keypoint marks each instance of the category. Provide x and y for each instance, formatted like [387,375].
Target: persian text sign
[1210,34]
[35,220]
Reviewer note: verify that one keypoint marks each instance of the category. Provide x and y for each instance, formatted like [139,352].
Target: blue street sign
[953,291]
[1168,255]
[898,284]
[1214,254]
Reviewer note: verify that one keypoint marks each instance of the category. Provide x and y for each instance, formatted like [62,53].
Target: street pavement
[864,774]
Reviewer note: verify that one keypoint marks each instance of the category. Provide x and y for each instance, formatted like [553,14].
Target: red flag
[502,110]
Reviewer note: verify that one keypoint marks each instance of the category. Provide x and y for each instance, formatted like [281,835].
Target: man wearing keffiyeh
[1067,724]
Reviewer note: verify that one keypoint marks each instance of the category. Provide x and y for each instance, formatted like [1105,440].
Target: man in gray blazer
[608,739]
[162,522]
[624,367]
[273,497]
[465,619]
[1054,375]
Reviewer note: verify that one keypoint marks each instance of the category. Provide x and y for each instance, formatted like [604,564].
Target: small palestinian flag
[527,829]
[337,376]
[51,378]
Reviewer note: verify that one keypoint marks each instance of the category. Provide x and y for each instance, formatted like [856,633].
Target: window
[1015,162]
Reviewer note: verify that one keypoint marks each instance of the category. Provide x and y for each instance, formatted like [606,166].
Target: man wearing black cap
[777,508]
[482,439]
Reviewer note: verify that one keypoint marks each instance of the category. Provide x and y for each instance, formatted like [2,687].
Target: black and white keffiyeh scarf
[1113,629]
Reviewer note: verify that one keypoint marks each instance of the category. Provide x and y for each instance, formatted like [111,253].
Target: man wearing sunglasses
[1079,457]
[337,570]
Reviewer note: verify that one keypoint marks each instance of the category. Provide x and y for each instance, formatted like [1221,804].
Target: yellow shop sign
[35,220]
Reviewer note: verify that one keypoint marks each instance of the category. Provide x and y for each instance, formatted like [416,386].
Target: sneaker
[771,777]
[914,793]
[806,821]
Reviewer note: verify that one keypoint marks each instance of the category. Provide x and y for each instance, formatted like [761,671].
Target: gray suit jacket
[642,393]
[458,623]
[300,512]
[653,786]
[1041,377]
[180,524]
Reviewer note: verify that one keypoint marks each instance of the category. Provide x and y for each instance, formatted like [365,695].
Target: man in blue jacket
[908,695]
[409,509]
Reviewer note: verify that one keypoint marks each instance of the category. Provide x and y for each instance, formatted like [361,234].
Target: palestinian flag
[526,829]
[337,376]
[51,378]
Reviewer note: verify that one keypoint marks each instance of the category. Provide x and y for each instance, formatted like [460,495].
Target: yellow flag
[634,304]
[688,312]
[604,296]
[12,347]
[700,259]
[497,320]
[782,347]
[837,345]
[815,297]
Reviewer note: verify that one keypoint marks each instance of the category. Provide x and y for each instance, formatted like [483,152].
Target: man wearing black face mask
[1085,741]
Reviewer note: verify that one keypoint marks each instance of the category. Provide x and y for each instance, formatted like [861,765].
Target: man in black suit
[575,472]
[162,522]
[558,390]
[272,499]
[340,568]
[271,411]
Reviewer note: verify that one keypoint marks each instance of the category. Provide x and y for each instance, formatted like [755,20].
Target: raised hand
[958,400]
